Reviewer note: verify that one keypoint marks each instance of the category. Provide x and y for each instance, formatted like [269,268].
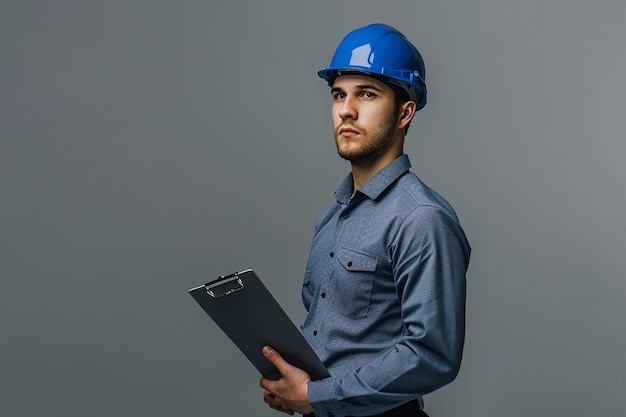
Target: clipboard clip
[224,286]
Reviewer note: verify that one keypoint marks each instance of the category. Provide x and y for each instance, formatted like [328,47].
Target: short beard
[379,140]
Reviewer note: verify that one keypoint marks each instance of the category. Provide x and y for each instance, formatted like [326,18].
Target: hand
[289,393]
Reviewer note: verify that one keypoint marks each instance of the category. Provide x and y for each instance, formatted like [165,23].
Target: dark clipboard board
[246,311]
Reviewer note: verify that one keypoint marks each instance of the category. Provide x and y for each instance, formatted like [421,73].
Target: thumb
[275,358]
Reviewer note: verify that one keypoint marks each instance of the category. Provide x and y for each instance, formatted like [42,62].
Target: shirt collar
[378,183]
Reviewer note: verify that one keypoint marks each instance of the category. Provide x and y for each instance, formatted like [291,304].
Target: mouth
[348,132]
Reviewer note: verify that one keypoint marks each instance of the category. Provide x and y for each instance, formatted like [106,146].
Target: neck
[363,170]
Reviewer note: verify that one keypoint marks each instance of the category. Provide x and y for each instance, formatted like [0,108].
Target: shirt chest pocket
[353,282]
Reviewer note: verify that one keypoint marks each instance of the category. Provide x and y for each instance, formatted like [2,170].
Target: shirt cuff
[322,398]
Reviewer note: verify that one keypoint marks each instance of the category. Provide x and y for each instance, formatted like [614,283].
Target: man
[384,285]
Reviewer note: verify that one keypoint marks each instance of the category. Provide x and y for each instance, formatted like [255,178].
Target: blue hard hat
[380,51]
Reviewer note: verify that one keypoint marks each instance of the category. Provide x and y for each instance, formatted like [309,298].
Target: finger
[275,358]
[267,396]
[281,409]
[270,399]
[263,382]
[284,410]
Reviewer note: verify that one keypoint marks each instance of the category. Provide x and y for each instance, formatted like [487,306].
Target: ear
[407,111]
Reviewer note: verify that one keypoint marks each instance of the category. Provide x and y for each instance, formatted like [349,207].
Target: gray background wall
[149,146]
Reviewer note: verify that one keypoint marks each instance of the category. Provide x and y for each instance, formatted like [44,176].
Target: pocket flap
[355,261]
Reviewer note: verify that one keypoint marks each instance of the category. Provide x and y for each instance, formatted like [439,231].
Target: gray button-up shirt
[384,289]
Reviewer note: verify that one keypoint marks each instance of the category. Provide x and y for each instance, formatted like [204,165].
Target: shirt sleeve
[430,257]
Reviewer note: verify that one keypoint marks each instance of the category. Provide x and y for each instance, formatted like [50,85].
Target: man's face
[365,118]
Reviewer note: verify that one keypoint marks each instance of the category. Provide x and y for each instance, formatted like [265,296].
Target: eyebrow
[359,87]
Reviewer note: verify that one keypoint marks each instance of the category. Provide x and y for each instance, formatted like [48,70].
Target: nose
[347,109]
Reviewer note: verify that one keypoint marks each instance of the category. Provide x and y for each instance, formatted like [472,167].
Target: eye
[339,96]
[368,94]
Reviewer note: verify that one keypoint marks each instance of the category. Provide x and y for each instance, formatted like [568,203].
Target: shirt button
[332,254]
[323,295]
[349,264]
[315,333]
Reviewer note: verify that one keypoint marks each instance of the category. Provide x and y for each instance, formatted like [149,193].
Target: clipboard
[246,311]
